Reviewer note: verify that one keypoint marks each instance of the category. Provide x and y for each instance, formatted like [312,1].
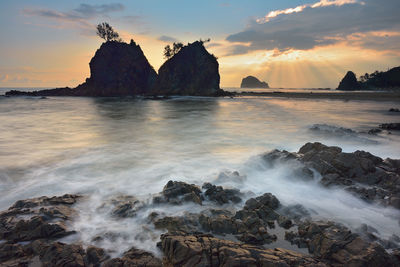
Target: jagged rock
[135,257]
[390,126]
[178,192]
[206,250]
[349,82]
[122,206]
[338,245]
[37,218]
[192,71]
[253,82]
[221,195]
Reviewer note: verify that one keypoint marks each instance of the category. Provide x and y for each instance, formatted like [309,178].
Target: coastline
[356,95]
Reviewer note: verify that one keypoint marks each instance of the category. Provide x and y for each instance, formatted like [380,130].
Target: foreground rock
[369,177]
[390,126]
[38,218]
[337,245]
[206,250]
[192,71]
[253,82]
[349,82]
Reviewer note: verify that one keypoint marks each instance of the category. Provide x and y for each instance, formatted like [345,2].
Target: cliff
[349,82]
[253,82]
[192,71]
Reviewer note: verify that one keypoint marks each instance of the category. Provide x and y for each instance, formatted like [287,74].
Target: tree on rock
[105,31]
[170,52]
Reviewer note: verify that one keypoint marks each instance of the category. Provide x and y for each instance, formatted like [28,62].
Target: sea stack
[192,71]
[349,82]
[118,69]
[253,82]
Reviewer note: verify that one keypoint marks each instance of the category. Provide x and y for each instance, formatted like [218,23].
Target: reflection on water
[108,146]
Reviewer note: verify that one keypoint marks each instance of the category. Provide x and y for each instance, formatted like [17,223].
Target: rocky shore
[230,229]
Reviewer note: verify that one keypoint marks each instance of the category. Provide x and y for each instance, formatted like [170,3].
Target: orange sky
[310,57]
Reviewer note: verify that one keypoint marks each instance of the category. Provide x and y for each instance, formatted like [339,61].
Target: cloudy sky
[288,43]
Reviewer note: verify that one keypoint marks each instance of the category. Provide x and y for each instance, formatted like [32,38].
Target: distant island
[121,69]
[253,82]
[377,80]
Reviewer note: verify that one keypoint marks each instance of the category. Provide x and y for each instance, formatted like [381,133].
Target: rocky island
[377,80]
[121,69]
[31,229]
[253,82]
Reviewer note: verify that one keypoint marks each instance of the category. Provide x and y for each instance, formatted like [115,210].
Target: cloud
[79,16]
[87,10]
[319,24]
[167,39]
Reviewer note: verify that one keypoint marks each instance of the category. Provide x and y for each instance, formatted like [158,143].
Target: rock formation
[117,69]
[253,82]
[349,82]
[192,71]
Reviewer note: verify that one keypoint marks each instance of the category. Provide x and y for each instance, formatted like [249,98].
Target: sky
[287,43]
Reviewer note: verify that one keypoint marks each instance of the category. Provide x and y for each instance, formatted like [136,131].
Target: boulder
[192,71]
[220,195]
[253,82]
[178,192]
[349,82]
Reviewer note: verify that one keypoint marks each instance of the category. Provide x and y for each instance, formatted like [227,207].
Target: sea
[103,148]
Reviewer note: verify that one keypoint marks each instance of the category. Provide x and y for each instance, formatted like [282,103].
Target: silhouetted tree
[167,52]
[105,31]
[170,52]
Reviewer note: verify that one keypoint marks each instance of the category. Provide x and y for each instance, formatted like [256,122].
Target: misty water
[106,147]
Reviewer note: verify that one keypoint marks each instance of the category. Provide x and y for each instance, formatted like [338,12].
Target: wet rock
[338,245]
[178,192]
[37,218]
[374,131]
[187,223]
[227,176]
[394,110]
[206,250]
[221,195]
[390,126]
[124,206]
[284,222]
[368,176]
[135,257]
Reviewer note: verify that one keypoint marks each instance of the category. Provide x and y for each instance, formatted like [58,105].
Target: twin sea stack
[121,69]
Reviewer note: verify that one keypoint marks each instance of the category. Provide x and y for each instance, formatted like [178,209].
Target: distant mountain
[253,82]
[377,80]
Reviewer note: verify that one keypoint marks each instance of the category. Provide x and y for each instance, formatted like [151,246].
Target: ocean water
[108,147]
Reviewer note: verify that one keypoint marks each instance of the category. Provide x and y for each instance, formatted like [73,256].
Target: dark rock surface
[349,82]
[206,250]
[337,245]
[178,192]
[394,110]
[192,71]
[253,82]
[221,195]
[369,177]
[390,126]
